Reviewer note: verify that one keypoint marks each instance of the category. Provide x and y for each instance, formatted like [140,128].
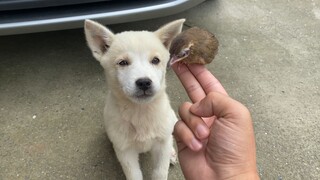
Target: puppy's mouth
[144,94]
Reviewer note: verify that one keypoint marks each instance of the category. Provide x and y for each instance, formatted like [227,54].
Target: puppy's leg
[173,156]
[129,160]
[161,153]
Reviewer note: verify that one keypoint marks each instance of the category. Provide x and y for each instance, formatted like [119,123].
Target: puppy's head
[134,61]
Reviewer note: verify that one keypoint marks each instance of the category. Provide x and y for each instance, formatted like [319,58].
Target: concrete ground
[52,92]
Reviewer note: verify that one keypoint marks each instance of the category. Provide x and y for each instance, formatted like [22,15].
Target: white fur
[136,124]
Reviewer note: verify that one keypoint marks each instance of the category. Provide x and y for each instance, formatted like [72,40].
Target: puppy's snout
[144,83]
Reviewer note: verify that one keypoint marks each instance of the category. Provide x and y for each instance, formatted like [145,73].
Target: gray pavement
[52,92]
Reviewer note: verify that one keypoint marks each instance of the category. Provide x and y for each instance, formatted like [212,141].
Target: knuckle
[245,111]
[211,95]
[184,107]
[191,88]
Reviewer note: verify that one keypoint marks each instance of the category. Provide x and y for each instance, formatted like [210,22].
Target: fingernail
[195,144]
[202,131]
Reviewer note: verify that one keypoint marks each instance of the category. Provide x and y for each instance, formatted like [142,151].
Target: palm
[227,148]
[227,145]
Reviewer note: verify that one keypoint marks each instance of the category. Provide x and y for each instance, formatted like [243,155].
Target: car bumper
[68,17]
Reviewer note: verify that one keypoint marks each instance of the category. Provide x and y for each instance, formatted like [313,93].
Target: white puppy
[138,116]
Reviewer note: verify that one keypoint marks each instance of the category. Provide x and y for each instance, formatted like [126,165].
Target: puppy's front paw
[173,156]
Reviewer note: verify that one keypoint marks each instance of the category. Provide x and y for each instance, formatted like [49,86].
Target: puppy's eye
[155,60]
[123,63]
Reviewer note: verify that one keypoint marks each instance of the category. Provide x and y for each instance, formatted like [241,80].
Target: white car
[25,16]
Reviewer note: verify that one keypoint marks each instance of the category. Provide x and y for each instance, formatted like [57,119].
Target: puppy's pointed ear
[99,38]
[169,31]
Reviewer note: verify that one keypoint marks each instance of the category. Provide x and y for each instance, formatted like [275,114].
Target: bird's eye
[184,53]
[155,61]
[123,62]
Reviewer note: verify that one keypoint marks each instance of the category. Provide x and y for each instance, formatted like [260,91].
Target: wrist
[250,175]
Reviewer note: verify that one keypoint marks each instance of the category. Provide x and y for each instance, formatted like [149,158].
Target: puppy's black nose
[144,83]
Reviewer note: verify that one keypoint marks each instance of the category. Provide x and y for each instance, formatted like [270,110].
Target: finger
[209,120]
[189,82]
[185,137]
[205,78]
[195,123]
[219,105]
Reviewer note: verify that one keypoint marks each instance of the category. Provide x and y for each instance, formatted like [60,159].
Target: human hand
[215,136]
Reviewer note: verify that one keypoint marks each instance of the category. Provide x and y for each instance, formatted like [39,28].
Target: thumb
[219,105]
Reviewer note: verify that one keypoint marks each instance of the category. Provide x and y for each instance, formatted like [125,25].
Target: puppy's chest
[142,126]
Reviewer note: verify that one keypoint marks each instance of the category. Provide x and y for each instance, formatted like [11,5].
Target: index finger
[189,82]
[208,82]
[197,80]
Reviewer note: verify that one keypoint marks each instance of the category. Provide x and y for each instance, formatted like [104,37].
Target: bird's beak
[173,59]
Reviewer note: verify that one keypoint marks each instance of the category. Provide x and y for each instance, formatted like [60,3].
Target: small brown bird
[194,46]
